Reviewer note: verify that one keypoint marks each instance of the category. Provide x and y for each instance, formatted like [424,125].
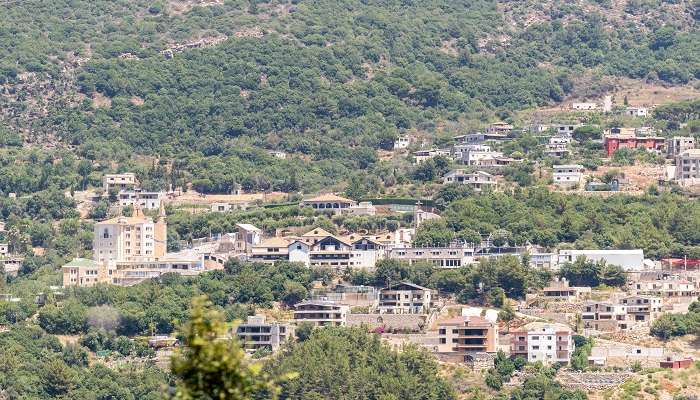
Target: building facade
[321,313]
[568,176]
[478,180]
[678,144]
[545,342]
[405,298]
[256,333]
[467,335]
[688,167]
[125,181]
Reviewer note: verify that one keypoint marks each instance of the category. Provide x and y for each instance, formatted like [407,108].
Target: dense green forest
[331,83]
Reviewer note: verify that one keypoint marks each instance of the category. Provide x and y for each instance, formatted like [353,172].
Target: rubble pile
[593,380]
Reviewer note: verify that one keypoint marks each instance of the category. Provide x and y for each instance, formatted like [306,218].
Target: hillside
[212,84]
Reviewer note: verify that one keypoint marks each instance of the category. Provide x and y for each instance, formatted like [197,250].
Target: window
[105,234]
[443,331]
[443,341]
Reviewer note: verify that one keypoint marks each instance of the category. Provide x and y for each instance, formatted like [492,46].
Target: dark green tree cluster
[661,225]
[584,272]
[36,365]
[157,305]
[350,363]
[670,325]
[489,282]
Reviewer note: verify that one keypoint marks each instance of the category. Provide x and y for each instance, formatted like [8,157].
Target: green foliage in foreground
[349,364]
[211,366]
[156,306]
[37,366]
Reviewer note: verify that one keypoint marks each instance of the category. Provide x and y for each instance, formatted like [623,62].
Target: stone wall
[390,322]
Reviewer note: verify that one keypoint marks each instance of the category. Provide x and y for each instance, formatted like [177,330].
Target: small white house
[641,112]
[567,176]
[477,180]
[402,142]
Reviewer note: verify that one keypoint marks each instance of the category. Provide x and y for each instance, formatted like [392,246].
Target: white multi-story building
[543,341]
[402,142]
[478,138]
[478,180]
[453,256]
[637,112]
[678,144]
[627,259]
[424,155]
[566,129]
[405,298]
[256,333]
[138,197]
[567,175]
[605,316]
[475,154]
[643,308]
[321,313]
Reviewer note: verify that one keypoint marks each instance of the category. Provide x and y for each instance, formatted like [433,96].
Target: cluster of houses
[472,337]
[129,192]
[128,250]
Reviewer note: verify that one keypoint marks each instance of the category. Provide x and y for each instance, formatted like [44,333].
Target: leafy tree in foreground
[211,366]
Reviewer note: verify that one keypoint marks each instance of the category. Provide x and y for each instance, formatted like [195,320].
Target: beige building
[405,298]
[467,335]
[643,308]
[328,202]
[125,181]
[321,313]
[256,333]
[499,127]
[84,272]
[678,144]
[130,238]
[605,316]
[560,290]
[688,167]
[129,250]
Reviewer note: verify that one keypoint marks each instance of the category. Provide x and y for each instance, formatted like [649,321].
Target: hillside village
[601,331]
[291,199]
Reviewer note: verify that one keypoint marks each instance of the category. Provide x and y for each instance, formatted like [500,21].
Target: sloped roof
[317,232]
[274,242]
[413,285]
[248,227]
